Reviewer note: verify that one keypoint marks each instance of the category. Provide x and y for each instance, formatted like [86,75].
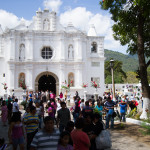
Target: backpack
[103,140]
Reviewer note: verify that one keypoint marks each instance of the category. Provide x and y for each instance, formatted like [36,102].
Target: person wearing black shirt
[9,107]
[96,130]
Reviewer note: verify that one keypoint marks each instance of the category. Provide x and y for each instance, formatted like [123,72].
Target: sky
[82,13]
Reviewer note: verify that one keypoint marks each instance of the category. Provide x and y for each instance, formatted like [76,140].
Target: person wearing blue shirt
[123,107]
[99,107]
[109,107]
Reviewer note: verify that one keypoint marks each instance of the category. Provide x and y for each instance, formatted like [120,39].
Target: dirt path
[129,137]
[122,142]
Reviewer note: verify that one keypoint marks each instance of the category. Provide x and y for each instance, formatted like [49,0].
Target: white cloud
[52,4]
[82,18]
[102,23]
[78,16]
[10,20]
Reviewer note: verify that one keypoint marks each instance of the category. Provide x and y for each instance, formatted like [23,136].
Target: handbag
[103,140]
[114,114]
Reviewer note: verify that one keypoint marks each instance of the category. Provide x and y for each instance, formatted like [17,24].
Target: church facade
[44,55]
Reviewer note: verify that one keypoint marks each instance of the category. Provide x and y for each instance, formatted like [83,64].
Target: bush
[132,113]
[137,116]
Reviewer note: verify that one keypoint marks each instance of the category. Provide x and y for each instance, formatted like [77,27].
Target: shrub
[132,113]
[137,116]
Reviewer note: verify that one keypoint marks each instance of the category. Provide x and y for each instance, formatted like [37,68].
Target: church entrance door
[47,82]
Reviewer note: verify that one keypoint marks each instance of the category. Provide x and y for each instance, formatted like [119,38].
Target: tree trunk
[142,67]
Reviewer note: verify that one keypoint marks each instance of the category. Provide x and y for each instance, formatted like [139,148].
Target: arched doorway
[47,82]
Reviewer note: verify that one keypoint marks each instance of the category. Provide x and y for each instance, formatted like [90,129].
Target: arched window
[21,80]
[94,47]
[47,53]
[70,52]
[46,24]
[22,52]
[71,79]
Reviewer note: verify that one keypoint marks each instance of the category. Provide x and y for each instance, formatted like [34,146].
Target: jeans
[30,137]
[40,121]
[122,116]
[108,118]
[75,116]
[61,128]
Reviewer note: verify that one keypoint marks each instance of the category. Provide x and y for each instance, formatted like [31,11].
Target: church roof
[92,31]
[21,26]
[71,29]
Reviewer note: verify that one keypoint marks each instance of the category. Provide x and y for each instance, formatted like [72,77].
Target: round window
[47,53]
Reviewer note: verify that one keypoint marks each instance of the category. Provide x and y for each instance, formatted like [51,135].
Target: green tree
[148,74]
[131,77]
[119,74]
[132,26]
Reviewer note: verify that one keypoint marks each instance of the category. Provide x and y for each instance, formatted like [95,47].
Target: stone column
[101,47]
[12,48]
[78,49]
[53,21]
[62,51]
[11,81]
[29,49]
[85,93]
[29,77]
[78,75]
[62,74]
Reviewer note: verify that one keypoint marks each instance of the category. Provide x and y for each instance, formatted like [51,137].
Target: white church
[45,54]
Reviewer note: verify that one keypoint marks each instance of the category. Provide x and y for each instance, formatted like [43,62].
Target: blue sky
[81,13]
[27,8]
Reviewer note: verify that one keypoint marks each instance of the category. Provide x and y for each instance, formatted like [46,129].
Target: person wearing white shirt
[15,106]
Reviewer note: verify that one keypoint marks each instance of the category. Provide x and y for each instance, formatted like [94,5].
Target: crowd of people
[59,131]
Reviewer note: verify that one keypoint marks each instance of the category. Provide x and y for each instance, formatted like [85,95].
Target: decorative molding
[27,62]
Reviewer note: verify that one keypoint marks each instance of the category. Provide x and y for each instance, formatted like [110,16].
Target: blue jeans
[40,121]
[75,116]
[122,116]
[108,118]
[61,128]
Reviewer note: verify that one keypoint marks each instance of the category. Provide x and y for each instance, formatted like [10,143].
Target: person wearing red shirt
[80,139]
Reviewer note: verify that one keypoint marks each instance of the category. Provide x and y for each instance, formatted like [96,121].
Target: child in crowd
[50,110]
[15,132]
[64,140]
[4,113]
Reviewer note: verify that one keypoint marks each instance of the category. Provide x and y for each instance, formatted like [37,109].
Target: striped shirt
[32,126]
[46,141]
[109,105]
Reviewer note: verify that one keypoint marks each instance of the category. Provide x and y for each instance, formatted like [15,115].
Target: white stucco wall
[58,39]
